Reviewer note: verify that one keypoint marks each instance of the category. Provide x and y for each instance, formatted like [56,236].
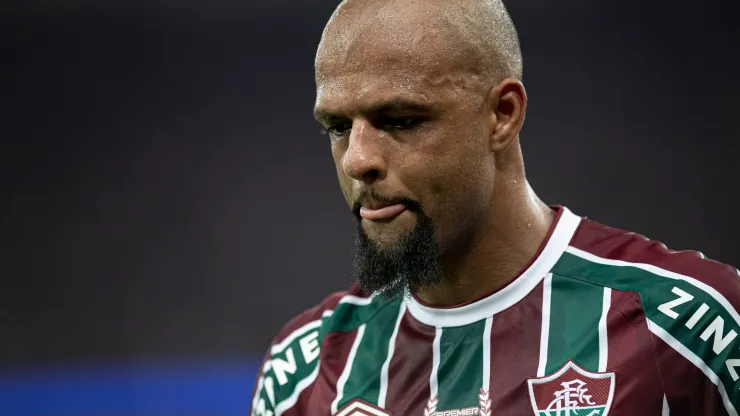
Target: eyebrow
[396,105]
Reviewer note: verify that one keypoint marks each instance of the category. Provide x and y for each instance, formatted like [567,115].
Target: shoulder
[608,246]
[291,362]
[341,311]
[307,328]
[690,302]
[314,316]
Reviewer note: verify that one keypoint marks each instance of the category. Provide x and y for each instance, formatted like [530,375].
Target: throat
[486,264]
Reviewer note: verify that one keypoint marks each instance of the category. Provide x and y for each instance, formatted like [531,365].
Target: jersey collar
[564,228]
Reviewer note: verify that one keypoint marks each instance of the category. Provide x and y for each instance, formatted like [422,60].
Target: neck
[505,242]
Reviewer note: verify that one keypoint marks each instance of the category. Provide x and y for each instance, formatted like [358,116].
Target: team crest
[572,391]
[360,408]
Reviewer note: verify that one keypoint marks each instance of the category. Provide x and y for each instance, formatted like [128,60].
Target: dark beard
[405,267]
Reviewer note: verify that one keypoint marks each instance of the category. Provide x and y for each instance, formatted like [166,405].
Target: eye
[339,129]
[401,123]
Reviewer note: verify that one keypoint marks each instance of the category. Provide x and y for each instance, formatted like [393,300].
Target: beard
[403,267]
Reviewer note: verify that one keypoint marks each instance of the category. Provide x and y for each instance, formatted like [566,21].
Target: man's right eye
[339,130]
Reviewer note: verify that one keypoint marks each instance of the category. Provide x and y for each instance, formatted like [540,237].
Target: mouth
[382,213]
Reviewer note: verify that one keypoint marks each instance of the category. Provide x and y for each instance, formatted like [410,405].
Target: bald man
[474,297]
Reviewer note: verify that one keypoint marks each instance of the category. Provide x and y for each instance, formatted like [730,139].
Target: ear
[508,104]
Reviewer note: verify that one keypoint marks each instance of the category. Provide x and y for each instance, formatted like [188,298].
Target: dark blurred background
[167,201]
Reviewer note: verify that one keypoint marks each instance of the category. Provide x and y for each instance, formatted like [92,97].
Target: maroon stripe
[638,389]
[334,353]
[515,349]
[410,368]
[687,384]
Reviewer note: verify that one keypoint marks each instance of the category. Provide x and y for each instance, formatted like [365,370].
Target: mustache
[370,195]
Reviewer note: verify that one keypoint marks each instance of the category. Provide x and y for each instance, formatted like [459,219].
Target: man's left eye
[402,123]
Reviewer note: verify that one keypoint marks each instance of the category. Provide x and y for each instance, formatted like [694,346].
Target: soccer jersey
[601,322]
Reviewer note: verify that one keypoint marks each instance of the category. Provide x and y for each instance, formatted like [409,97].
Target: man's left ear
[508,101]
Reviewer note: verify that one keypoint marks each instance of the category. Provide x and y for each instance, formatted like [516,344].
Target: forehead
[362,90]
[378,57]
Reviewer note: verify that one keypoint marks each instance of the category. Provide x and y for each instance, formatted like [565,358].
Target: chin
[386,235]
[386,241]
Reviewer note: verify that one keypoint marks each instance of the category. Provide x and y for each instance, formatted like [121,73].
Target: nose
[364,159]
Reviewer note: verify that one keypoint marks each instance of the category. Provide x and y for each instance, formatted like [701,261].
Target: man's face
[409,138]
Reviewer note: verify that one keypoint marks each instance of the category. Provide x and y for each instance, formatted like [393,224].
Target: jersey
[601,322]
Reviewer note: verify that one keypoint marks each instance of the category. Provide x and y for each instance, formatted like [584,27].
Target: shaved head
[423,103]
[472,37]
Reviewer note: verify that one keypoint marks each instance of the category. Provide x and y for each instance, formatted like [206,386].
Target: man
[474,297]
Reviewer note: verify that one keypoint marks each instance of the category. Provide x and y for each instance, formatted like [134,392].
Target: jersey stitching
[581,279]
[619,307]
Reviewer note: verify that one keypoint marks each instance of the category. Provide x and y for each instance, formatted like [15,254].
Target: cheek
[460,188]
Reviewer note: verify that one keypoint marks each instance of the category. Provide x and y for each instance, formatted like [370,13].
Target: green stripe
[348,317]
[575,310]
[460,374]
[364,379]
[656,290]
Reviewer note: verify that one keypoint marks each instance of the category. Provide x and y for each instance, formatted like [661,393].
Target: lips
[383,213]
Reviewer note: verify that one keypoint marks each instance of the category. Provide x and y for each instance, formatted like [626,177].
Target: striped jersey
[601,322]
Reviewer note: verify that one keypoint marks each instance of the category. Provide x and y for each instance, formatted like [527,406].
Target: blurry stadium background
[168,202]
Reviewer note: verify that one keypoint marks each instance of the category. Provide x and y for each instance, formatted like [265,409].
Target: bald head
[474,38]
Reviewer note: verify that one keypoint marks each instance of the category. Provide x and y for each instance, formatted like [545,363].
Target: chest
[513,364]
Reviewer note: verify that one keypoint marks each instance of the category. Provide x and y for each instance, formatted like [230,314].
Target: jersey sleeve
[290,365]
[691,305]
[697,346]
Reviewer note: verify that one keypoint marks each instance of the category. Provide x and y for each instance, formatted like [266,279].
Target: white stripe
[386,365]
[267,367]
[664,273]
[293,398]
[603,340]
[347,368]
[545,332]
[356,300]
[666,409]
[508,295]
[279,347]
[487,354]
[694,359]
[433,382]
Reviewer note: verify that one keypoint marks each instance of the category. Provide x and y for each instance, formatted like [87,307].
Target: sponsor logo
[483,408]
[707,323]
[360,408]
[572,391]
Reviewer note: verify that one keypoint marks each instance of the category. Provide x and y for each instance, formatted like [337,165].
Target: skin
[418,107]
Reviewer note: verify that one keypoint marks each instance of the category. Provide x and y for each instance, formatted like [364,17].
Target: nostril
[371,176]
